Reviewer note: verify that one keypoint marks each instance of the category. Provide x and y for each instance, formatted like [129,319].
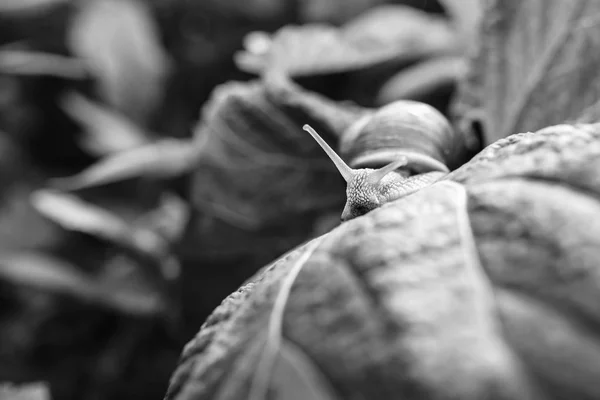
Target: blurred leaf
[29,62]
[120,42]
[44,271]
[386,33]
[424,78]
[28,391]
[537,66]
[164,158]
[169,219]
[466,15]
[333,11]
[75,214]
[106,131]
[20,7]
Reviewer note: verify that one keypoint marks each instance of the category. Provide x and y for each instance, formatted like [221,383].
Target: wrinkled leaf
[467,289]
[164,158]
[536,66]
[29,391]
[119,41]
[105,131]
[386,33]
[29,62]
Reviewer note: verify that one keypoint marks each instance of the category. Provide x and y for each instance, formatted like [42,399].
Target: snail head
[366,188]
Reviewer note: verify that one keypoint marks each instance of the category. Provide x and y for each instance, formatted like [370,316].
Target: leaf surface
[486,271]
[536,66]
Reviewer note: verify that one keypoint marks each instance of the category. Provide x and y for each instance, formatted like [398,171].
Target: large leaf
[536,66]
[466,289]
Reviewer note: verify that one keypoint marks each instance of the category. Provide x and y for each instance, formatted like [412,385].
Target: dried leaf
[386,33]
[492,293]
[29,391]
[29,62]
[164,158]
[120,42]
[106,131]
[537,66]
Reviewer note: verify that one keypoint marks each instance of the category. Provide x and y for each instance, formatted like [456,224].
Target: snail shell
[403,128]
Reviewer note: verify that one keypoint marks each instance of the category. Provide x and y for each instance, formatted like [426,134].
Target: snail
[393,152]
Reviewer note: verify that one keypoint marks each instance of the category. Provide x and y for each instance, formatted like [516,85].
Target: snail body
[393,152]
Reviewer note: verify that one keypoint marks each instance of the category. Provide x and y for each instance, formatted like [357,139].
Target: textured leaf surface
[487,272]
[536,66]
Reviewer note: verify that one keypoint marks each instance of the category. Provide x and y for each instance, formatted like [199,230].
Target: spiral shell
[403,128]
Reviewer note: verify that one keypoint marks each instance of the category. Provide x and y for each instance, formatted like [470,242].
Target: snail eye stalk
[346,172]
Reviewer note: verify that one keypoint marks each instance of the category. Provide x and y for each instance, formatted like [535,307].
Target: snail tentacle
[376,176]
[346,172]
